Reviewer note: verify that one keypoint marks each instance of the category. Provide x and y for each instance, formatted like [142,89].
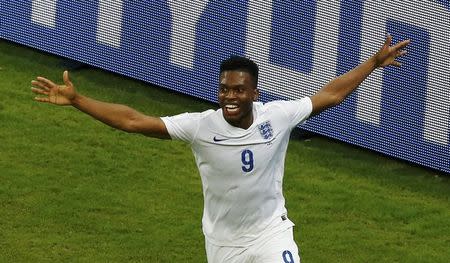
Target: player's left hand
[388,54]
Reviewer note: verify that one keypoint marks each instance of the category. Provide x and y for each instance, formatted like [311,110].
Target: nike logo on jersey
[219,139]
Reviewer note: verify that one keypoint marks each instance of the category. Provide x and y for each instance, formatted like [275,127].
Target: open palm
[388,54]
[54,93]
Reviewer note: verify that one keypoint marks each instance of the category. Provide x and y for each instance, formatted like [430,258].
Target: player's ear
[255,94]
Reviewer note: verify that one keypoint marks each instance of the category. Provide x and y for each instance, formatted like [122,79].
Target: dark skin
[115,115]
[237,91]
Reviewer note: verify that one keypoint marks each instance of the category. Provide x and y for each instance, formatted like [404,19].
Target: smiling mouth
[231,108]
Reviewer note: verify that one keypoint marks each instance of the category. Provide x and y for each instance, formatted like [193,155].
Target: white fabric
[241,170]
[275,248]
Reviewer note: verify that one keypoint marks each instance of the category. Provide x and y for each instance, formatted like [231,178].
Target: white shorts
[277,248]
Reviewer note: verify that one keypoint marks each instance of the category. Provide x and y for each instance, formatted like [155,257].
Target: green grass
[75,190]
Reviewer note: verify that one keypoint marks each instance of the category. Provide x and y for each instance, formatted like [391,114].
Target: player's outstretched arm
[339,88]
[115,115]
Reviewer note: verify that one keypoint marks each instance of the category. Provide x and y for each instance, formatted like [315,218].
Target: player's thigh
[218,254]
[280,249]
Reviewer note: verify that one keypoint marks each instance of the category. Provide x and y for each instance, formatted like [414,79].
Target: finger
[39,84]
[388,40]
[39,91]
[66,78]
[402,44]
[47,82]
[401,53]
[42,99]
[396,64]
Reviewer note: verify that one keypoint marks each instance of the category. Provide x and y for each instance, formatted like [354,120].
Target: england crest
[266,130]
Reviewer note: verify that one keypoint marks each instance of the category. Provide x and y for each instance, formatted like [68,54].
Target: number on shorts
[287,257]
[247,161]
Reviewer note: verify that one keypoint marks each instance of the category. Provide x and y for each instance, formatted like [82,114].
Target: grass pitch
[73,189]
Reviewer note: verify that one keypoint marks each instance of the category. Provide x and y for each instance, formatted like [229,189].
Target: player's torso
[242,169]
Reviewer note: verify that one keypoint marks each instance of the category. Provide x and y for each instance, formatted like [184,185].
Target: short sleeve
[184,126]
[297,111]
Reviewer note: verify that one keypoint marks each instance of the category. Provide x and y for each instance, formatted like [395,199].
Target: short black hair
[242,64]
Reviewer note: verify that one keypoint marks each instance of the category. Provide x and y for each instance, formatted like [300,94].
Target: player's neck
[243,123]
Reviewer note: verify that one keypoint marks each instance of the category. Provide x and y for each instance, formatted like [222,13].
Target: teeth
[232,108]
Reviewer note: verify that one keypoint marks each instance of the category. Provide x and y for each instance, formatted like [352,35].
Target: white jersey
[241,169]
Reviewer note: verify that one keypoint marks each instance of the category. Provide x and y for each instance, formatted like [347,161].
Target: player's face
[237,91]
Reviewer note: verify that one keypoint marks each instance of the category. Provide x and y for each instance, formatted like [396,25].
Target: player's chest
[243,154]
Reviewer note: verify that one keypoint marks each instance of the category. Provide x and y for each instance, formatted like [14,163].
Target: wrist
[76,100]
[373,62]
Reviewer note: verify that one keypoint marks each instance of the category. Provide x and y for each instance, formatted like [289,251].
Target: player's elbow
[336,99]
[148,126]
[130,123]
[333,99]
[131,126]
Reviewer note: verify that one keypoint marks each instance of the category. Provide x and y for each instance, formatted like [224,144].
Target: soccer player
[239,150]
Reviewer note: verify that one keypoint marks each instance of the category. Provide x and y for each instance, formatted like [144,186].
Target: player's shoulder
[195,115]
[281,103]
[273,105]
[286,106]
[203,114]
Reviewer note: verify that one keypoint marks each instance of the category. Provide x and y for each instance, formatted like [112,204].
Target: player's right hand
[53,93]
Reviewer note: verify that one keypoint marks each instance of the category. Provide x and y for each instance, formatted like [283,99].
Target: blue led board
[299,45]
